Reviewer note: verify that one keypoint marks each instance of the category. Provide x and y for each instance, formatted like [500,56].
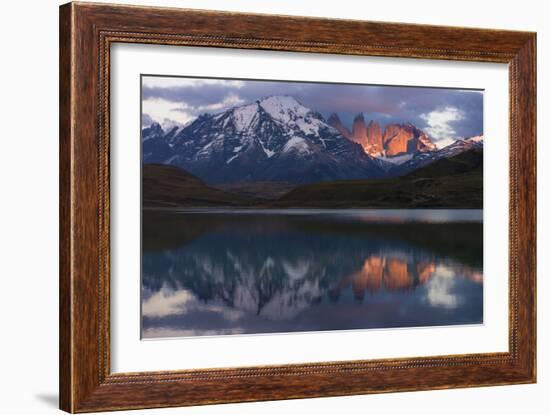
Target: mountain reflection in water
[211,272]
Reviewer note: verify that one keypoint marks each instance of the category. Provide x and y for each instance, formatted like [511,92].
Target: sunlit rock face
[395,140]
[375,145]
[368,136]
[359,130]
[406,139]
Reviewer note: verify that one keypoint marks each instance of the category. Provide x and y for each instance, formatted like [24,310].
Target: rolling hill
[456,182]
[170,186]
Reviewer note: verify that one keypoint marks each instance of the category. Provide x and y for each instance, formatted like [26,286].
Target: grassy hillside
[456,182]
[169,186]
[467,162]
[447,183]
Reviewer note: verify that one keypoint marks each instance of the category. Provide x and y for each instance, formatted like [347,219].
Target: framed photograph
[260,207]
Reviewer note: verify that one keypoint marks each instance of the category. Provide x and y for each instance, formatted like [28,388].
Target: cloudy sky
[443,113]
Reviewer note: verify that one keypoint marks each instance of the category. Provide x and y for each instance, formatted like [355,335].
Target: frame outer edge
[66,120]
[523,200]
[534,226]
[81,196]
[527,97]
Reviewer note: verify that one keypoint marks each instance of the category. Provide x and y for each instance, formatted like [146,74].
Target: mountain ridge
[278,139]
[275,138]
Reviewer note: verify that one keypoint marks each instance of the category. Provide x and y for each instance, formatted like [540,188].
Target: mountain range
[277,139]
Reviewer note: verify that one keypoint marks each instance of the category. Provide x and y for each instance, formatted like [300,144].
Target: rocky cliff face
[402,139]
[396,140]
[359,130]
[155,147]
[369,136]
[334,121]
[375,145]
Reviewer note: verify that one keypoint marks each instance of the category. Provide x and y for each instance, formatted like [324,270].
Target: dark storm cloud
[385,104]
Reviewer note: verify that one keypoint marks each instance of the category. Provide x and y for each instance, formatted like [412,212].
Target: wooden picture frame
[86,33]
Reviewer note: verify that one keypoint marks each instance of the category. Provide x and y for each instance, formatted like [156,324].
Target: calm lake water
[212,272]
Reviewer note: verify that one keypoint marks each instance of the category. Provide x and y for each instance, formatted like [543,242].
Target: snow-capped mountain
[275,139]
[278,139]
[155,144]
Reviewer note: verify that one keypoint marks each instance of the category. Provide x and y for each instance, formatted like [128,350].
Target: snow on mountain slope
[475,139]
[397,160]
[275,137]
[279,139]
[297,144]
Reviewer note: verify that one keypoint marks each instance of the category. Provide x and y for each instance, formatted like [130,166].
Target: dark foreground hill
[170,186]
[456,182]
[258,190]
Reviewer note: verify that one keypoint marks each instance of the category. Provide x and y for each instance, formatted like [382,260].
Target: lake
[236,271]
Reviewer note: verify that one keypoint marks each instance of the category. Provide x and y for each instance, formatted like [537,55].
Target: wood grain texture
[65,247]
[86,33]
